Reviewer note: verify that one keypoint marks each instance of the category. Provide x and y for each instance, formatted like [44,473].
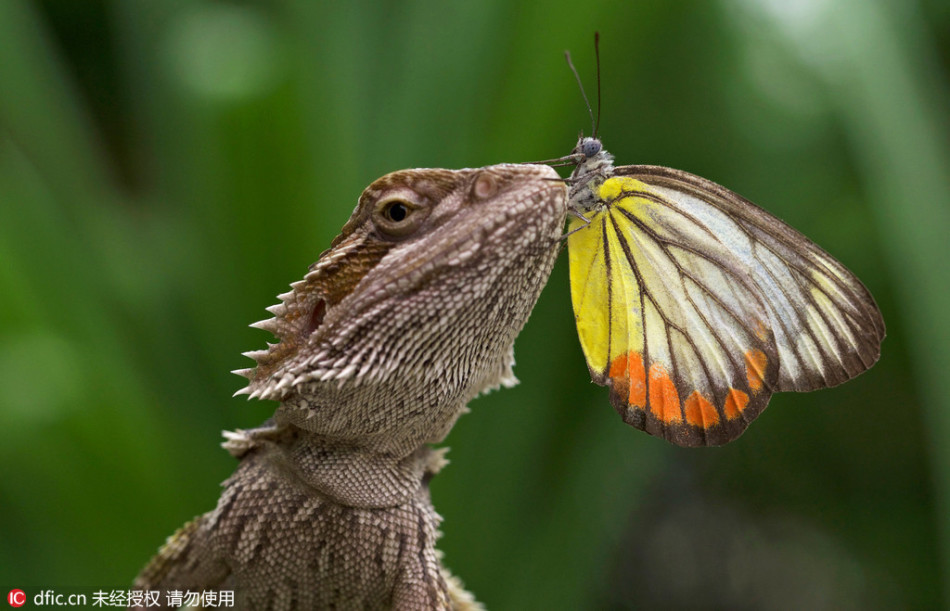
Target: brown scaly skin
[410,314]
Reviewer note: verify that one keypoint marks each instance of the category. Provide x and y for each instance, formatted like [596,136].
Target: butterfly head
[593,166]
[588,147]
[591,157]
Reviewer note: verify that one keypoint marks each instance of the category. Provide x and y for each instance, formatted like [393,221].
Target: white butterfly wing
[826,325]
[694,305]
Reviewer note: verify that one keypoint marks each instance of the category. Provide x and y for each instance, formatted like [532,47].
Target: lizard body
[410,314]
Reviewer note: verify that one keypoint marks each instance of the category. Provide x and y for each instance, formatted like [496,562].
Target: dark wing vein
[664,244]
[644,288]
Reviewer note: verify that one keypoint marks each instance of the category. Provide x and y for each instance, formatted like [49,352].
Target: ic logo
[16,598]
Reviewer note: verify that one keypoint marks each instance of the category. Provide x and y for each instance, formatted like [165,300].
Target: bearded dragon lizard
[411,313]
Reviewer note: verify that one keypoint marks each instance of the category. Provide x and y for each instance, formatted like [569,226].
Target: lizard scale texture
[410,314]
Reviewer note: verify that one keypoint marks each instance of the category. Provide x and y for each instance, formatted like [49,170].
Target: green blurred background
[167,168]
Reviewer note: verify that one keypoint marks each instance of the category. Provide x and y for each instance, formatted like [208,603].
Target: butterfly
[693,305]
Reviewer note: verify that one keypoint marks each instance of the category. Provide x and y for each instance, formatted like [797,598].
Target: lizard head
[420,297]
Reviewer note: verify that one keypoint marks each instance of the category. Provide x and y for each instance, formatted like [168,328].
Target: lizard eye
[396,211]
[398,217]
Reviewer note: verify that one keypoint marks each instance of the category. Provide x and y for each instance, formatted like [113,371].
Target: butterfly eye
[397,217]
[590,147]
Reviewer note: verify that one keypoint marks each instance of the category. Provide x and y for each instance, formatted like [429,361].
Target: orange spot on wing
[638,380]
[736,401]
[664,400]
[618,376]
[618,367]
[629,378]
[755,362]
[699,411]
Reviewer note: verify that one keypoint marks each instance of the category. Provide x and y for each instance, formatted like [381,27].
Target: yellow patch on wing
[605,292]
[590,288]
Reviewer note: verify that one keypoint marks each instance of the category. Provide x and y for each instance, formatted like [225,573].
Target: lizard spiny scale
[400,323]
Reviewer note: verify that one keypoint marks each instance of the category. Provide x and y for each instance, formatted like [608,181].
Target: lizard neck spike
[301,310]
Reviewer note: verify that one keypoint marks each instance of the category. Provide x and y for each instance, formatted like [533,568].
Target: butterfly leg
[583,219]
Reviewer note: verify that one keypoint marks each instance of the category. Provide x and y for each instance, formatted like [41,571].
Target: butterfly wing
[694,305]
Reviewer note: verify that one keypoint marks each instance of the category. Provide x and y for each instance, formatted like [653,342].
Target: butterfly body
[694,305]
[594,166]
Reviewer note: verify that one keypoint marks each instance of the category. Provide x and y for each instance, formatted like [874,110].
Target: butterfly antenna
[596,55]
[577,77]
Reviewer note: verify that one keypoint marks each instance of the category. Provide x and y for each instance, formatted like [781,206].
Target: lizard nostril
[485,186]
